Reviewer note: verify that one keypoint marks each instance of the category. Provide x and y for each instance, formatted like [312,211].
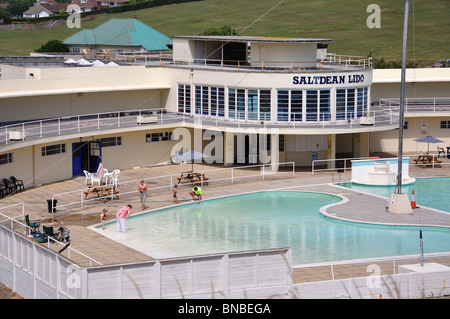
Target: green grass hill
[342,21]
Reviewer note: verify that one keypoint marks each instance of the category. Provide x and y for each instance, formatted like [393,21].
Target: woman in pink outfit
[121,217]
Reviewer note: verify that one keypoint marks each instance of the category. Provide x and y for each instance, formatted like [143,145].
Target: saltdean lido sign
[328,79]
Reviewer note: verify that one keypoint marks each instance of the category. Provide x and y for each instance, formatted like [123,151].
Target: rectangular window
[252,104]
[264,105]
[184,98]
[324,105]
[350,104]
[158,137]
[341,96]
[111,141]
[361,104]
[445,124]
[296,105]
[236,103]
[6,158]
[311,105]
[283,105]
[221,102]
[214,101]
[53,149]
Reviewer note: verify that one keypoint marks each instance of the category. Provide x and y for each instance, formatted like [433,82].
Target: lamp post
[398,202]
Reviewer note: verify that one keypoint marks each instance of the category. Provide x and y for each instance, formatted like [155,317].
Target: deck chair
[441,151]
[47,231]
[33,224]
[18,183]
[10,188]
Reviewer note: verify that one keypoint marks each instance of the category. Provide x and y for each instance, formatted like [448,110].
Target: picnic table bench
[193,177]
[102,191]
[427,161]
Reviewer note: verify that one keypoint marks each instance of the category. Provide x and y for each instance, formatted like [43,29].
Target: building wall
[417,127]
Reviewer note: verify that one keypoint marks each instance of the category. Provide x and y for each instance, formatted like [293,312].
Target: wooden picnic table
[192,177]
[105,191]
[427,161]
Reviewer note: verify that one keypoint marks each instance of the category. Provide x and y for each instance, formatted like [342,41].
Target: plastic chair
[10,187]
[18,183]
[441,151]
[115,177]
[88,177]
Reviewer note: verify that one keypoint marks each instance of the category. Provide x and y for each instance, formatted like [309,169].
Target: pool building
[289,93]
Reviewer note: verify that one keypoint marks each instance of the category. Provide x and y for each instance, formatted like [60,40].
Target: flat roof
[231,38]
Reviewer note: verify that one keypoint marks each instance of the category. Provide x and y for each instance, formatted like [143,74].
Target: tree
[5,16]
[17,7]
[53,46]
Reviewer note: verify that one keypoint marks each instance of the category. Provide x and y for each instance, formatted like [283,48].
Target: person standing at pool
[196,191]
[121,217]
[103,217]
[174,193]
[143,193]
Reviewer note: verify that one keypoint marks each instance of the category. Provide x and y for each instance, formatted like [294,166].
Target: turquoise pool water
[267,220]
[430,192]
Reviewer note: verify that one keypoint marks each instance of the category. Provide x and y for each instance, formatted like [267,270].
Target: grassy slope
[342,21]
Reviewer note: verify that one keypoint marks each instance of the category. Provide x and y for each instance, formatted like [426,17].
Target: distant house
[37,11]
[117,36]
[44,8]
[86,5]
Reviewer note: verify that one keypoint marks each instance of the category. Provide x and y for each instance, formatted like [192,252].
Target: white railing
[14,223]
[75,124]
[348,60]
[213,175]
[431,104]
[128,118]
[332,59]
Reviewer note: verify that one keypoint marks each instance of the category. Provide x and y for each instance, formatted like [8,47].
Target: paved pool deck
[360,207]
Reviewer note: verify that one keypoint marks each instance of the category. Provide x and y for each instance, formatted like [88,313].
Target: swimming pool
[430,192]
[266,220]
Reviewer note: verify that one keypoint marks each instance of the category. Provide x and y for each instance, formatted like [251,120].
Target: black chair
[18,183]
[2,190]
[10,188]
[441,151]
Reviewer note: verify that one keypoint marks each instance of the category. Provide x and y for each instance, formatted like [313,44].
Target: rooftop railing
[430,104]
[331,61]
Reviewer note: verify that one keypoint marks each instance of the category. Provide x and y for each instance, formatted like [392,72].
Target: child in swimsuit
[174,193]
[103,217]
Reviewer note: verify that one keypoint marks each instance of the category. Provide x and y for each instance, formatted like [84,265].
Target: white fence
[230,174]
[34,271]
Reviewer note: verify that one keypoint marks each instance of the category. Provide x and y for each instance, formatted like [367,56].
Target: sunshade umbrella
[189,156]
[428,139]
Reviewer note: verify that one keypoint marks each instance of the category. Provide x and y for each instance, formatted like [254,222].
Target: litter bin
[49,204]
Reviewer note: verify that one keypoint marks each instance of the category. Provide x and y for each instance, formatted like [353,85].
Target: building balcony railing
[431,104]
[73,125]
[330,62]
